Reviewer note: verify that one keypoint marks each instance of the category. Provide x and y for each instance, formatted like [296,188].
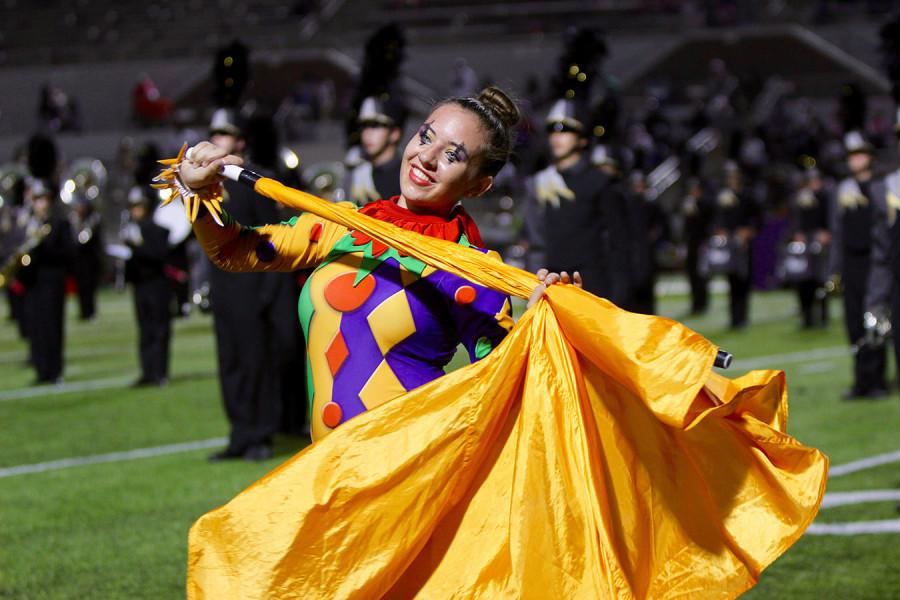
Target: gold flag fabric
[592,454]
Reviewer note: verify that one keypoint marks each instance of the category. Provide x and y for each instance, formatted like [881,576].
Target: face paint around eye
[458,154]
[425,133]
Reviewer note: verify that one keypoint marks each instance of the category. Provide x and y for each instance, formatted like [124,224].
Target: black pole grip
[240,174]
[248,177]
[723,359]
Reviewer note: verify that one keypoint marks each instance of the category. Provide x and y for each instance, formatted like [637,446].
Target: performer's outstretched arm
[300,243]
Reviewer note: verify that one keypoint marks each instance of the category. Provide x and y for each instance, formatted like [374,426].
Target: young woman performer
[593,454]
[379,323]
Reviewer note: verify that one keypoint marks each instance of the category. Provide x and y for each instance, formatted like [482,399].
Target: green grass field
[119,529]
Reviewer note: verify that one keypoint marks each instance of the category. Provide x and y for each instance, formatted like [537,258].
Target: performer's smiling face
[441,163]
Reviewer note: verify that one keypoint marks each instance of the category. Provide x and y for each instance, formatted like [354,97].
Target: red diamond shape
[336,353]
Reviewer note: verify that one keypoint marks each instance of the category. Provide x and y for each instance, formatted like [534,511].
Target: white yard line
[18,356]
[67,463]
[833,499]
[66,388]
[83,350]
[803,356]
[864,463]
[82,386]
[855,528]
[823,366]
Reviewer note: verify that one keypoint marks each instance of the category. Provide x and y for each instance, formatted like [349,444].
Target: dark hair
[498,114]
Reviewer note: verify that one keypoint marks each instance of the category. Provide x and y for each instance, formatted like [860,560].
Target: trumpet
[21,257]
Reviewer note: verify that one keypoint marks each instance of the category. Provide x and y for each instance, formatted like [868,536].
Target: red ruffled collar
[446,228]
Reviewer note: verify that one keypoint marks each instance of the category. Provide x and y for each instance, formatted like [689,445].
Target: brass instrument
[85,181]
[84,178]
[21,257]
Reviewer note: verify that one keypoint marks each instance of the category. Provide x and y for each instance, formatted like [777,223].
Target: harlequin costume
[591,454]
[378,323]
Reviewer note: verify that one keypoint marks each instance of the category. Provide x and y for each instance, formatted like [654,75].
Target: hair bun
[495,100]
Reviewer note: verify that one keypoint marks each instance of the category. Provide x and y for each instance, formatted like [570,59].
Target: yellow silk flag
[592,454]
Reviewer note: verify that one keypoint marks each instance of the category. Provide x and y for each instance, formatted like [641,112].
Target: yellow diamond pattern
[382,386]
[391,321]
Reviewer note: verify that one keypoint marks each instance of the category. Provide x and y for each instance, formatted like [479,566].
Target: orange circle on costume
[343,296]
[464,295]
[332,414]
